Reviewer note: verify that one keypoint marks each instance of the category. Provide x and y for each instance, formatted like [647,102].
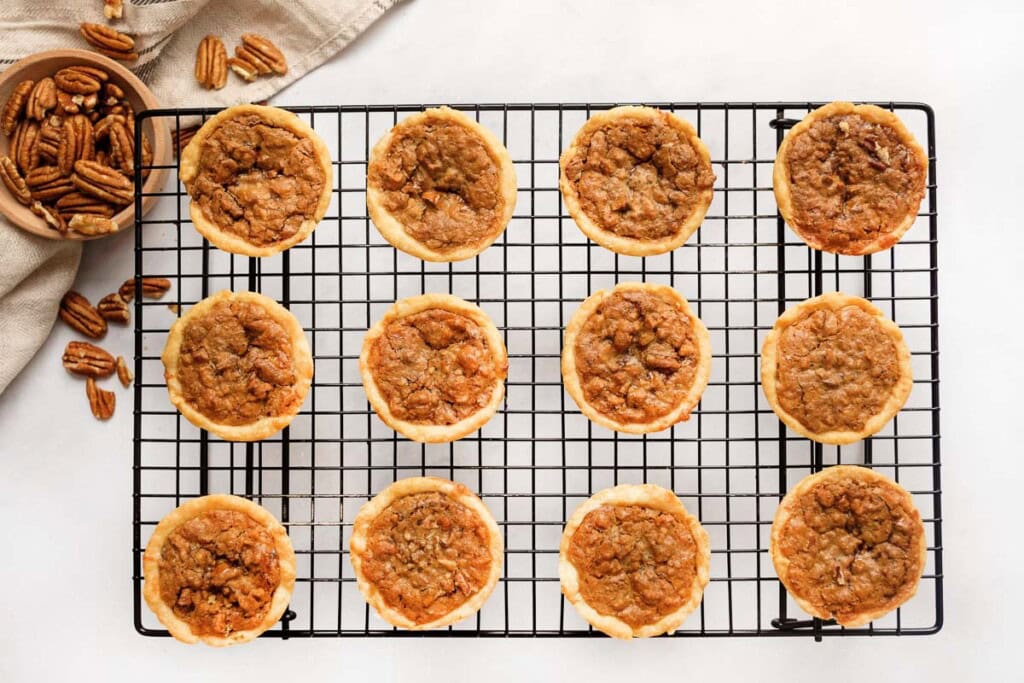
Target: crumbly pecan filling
[634,563]
[639,179]
[427,554]
[434,367]
[439,180]
[257,181]
[218,572]
[235,365]
[852,181]
[636,356]
[835,369]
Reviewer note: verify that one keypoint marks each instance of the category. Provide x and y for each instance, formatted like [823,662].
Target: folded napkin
[35,272]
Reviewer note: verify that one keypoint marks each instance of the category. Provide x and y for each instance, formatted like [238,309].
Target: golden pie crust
[301,367]
[871,170]
[192,166]
[488,403]
[702,182]
[361,552]
[644,496]
[700,362]
[850,562]
[448,188]
[151,560]
[846,356]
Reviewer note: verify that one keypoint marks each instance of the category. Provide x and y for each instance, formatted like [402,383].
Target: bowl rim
[21,215]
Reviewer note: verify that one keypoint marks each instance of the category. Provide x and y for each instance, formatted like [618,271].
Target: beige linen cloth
[35,272]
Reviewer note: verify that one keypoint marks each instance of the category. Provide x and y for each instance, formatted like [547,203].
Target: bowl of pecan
[67,145]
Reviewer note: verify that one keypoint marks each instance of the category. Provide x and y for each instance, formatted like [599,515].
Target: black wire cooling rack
[539,457]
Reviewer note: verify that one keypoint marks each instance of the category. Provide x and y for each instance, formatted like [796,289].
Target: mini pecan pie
[848,544]
[440,186]
[637,180]
[434,367]
[636,359]
[259,178]
[850,179]
[426,553]
[633,561]
[834,369]
[219,569]
[237,364]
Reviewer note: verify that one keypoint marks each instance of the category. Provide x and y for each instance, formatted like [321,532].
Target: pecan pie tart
[426,553]
[259,179]
[440,186]
[850,179]
[238,364]
[636,359]
[633,561]
[848,544]
[834,369]
[434,368]
[219,570]
[637,180]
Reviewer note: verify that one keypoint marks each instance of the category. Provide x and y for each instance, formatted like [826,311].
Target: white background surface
[65,479]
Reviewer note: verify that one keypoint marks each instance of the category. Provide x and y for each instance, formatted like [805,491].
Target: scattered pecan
[101,402]
[211,63]
[113,9]
[50,216]
[265,52]
[47,183]
[77,312]
[246,71]
[152,288]
[89,224]
[42,99]
[25,145]
[108,41]
[15,106]
[13,180]
[113,308]
[78,143]
[123,373]
[83,358]
[103,183]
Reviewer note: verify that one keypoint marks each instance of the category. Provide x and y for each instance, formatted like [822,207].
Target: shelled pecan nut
[15,106]
[83,358]
[268,53]
[78,143]
[253,59]
[112,94]
[211,63]
[25,147]
[77,81]
[114,308]
[42,99]
[109,41]
[47,183]
[122,148]
[147,156]
[123,373]
[246,71]
[89,224]
[152,288]
[13,180]
[77,312]
[51,216]
[113,9]
[101,402]
[103,183]
[75,202]
[68,103]
[102,127]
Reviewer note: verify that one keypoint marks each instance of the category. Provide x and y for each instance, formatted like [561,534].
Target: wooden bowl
[141,98]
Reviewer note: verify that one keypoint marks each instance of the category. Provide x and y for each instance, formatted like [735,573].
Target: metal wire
[539,457]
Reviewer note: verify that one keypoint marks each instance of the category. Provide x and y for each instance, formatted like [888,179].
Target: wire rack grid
[538,458]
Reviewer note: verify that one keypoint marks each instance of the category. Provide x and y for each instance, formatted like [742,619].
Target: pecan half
[113,91]
[77,312]
[78,143]
[122,148]
[102,127]
[68,103]
[13,180]
[114,308]
[211,63]
[113,9]
[47,183]
[123,373]
[50,133]
[103,183]
[51,216]
[101,402]
[152,288]
[25,147]
[253,59]
[75,202]
[83,358]
[15,106]
[246,71]
[265,51]
[108,41]
[77,81]
[88,224]
[42,99]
